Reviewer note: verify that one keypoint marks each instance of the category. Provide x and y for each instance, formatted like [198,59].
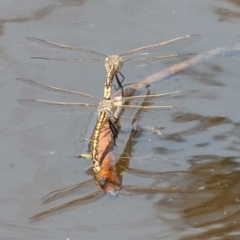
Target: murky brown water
[38,147]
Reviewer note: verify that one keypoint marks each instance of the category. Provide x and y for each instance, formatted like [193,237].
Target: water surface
[38,147]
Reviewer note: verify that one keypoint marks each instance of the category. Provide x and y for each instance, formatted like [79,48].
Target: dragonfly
[106,109]
[105,115]
[114,63]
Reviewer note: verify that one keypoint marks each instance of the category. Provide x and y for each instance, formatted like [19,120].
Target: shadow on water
[228,14]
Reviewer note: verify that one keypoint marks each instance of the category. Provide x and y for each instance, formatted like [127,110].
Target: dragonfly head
[113,63]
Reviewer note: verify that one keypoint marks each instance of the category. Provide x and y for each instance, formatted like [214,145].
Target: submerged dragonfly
[114,63]
[106,114]
[109,182]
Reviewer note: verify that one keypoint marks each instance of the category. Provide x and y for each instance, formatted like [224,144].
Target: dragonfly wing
[68,206]
[60,193]
[57,107]
[51,89]
[68,60]
[164,48]
[150,104]
[146,61]
[55,45]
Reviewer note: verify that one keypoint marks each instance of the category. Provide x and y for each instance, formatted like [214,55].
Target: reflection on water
[203,123]
[39,14]
[208,78]
[211,213]
[210,184]
[234,2]
[216,213]
[109,178]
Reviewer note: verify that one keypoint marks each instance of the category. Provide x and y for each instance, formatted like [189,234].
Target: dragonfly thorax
[113,63]
[106,106]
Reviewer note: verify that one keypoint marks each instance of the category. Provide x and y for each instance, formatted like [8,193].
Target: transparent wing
[137,62]
[146,99]
[55,45]
[150,105]
[160,95]
[147,59]
[135,59]
[57,107]
[51,89]
[68,60]
[76,107]
[164,48]
[142,102]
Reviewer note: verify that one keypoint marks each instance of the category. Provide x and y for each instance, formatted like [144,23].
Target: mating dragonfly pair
[113,65]
[106,114]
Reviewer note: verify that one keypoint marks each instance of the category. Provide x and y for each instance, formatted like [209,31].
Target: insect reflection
[108,181]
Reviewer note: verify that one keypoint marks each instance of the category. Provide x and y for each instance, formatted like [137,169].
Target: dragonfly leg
[119,82]
[123,78]
[113,126]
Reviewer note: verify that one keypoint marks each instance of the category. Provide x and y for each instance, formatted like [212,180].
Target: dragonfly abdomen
[108,85]
[102,118]
[105,115]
